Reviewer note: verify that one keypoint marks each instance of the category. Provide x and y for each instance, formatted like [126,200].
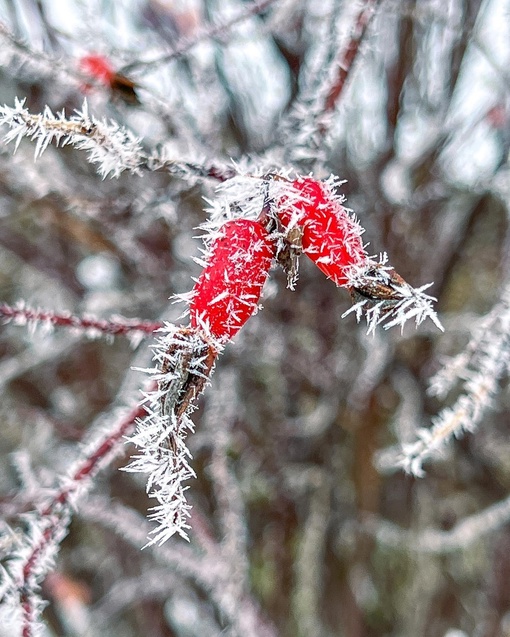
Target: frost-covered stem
[465,532]
[347,57]
[307,124]
[35,569]
[465,415]
[488,359]
[207,33]
[183,169]
[224,297]
[57,513]
[114,148]
[185,359]
[459,367]
[99,453]
[20,314]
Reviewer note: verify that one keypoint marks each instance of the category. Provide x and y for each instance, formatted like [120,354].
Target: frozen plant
[318,321]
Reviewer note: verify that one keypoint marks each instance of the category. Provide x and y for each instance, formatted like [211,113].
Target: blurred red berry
[331,237]
[97,67]
[229,288]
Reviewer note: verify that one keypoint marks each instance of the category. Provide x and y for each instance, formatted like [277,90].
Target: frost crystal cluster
[114,148]
[184,362]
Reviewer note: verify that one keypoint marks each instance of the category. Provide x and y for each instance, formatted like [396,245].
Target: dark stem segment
[189,367]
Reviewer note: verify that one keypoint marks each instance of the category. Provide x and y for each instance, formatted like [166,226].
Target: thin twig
[210,32]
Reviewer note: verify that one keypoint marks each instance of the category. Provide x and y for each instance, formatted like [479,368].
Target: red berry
[229,287]
[98,67]
[330,236]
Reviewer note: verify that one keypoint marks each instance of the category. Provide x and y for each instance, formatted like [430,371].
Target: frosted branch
[112,147]
[347,57]
[49,527]
[311,115]
[487,360]
[210,32]
[134,329]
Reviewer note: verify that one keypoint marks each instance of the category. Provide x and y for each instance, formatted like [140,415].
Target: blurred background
[302,524]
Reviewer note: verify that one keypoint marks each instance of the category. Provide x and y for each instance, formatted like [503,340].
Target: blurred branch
[346,59]
[47,65]
[219,31]
[471,12]
[49,527]
[310,555]
[487,359]
[220,414]
[469,530]
[211,572]
[310,117]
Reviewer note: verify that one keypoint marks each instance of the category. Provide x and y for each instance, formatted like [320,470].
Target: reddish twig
[347,57]
[57,512]
[118,326]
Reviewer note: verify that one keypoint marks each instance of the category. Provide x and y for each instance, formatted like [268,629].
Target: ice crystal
[383,297]
[184,362]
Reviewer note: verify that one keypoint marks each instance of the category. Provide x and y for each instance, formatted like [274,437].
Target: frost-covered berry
[229,288]
[330,236]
